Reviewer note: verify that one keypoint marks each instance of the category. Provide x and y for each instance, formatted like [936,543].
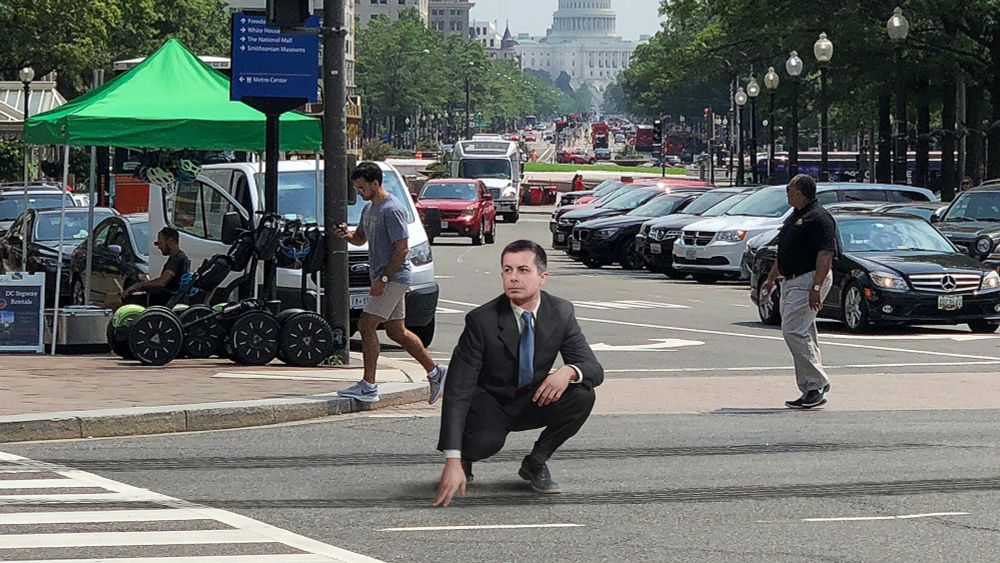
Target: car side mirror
[114,248]
[231,226]
[938,215]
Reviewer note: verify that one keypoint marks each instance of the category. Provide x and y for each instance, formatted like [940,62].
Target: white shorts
[391,305]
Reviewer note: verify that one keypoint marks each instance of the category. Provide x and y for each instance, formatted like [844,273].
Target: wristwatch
[817,288]
[385,279]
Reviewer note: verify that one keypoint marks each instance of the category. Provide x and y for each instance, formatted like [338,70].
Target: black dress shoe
[541,480]
[467,467]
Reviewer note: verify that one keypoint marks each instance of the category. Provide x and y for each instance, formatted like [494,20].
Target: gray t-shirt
[383,224]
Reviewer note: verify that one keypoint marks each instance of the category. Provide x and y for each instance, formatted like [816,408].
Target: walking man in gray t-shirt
[384,227]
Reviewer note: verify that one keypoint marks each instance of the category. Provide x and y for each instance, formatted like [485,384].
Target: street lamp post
[753,90]
[771,81]
[823,49]
[741,101]
[27,74]
[898,28]
[794,68]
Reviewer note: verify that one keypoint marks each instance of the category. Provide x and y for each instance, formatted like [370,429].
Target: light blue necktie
[526,352]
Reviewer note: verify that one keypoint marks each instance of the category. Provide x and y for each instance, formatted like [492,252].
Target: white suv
[712,249]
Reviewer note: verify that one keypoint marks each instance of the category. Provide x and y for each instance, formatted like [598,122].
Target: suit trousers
[798,325]
[490,419]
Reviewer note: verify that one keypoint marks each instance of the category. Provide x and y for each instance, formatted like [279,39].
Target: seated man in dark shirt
[158,291]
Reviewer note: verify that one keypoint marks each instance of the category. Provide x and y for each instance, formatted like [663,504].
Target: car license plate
[560,237]
[949,302]
[576,245]
[691,253]
[655,248]
[359,301]
[444,225]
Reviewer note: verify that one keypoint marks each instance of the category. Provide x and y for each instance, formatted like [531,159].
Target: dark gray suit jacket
[486,358]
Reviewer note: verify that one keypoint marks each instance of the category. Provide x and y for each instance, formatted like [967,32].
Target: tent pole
[319,205]
[92,198]
[59,255]
[271,198]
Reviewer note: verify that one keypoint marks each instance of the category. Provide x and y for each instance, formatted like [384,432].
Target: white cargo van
[199,210]
[498,164]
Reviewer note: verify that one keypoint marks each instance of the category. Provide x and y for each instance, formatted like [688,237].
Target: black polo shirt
[806,233]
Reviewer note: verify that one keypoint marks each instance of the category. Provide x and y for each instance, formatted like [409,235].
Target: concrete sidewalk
[58,397]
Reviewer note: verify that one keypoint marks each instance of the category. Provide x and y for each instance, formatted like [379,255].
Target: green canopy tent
[172,100]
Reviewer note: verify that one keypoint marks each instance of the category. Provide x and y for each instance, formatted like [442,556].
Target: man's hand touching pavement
[452,480]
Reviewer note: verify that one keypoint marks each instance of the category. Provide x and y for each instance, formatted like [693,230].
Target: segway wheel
[203,333]
[118,340]
[253,339]
[156,337]
[306,340]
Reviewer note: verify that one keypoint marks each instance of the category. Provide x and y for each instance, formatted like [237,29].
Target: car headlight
[886,280]
[675,233]
[49,262]
[990,281]
[421,254]
[732,236]
[470,211]
[983,246]
[606,233]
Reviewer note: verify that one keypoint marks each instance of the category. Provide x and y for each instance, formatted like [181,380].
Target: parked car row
[906,257]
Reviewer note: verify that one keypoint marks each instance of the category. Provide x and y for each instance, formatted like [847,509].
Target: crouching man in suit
[499,380]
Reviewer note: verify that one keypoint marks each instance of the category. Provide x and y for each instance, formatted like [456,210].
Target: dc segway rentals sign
[267,63]
[22,302]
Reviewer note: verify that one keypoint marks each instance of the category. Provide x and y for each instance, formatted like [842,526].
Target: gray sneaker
[362,391]
[436,378]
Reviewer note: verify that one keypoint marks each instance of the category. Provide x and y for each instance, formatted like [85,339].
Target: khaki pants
[798,325]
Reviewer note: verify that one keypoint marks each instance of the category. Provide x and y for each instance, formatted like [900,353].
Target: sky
[635,17]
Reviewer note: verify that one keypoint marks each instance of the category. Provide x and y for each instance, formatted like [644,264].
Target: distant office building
[368,9]
[497,45]
[451,17]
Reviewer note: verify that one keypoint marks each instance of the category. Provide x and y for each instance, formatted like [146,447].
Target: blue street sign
[269,64]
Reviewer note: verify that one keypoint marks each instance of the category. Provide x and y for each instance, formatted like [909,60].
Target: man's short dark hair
[367,171]
[805,184]
[170,233]
[541,260]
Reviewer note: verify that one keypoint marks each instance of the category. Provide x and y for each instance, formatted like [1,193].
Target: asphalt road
[899,467]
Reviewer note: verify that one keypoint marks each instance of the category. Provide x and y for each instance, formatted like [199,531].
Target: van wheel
[491,237]
[769,307]
[511,217]
[424,333]
[477,238]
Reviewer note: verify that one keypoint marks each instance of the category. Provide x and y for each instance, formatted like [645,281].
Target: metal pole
[741,165]
[24,240]
[793,139]
[899,168]
[319,205]
[753,141]
[962,146]
[468,109]
[336,305]
[271,149]
[92,194]
[770,136]
[824,127]
[59,254]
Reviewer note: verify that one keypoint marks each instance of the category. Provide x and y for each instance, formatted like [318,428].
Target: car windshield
[74,225]
[297,197]
[466,192]
[707,201]
[975,206]
[725,205]
[140,231]
[611,186]
[890,234]
[484,168]
[658,206]
[769,202]
[631,200]
[12,205]
[611,196]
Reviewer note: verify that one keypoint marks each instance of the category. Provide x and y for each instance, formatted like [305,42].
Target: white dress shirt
[519,320]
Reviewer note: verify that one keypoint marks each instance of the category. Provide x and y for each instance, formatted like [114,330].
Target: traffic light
[658,132]
[288,13]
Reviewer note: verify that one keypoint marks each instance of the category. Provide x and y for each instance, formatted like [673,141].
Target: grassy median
[549,167]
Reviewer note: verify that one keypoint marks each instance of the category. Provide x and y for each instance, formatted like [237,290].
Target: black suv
[972,223]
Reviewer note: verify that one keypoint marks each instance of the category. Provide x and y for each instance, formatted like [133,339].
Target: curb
[140,421]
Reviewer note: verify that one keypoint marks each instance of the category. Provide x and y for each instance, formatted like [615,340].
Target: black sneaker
[811,399]
[541,480]
[467,467]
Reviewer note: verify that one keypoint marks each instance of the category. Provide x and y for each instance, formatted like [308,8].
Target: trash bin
[549,195]
[534,195]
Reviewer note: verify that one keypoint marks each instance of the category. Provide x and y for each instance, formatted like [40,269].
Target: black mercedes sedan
[894,270]
[39,232]
[612,239]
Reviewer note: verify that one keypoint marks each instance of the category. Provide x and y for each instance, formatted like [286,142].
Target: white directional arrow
[243,20]
[658,345]
[243,30]
[243,39]
[242,48]
[241,79]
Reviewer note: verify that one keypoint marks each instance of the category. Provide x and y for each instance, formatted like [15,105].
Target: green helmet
[126,314]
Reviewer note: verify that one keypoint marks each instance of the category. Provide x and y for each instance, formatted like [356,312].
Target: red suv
[460,206]
[578,156]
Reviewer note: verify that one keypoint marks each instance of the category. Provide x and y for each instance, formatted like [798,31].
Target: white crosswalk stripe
[630,304]
[31,528]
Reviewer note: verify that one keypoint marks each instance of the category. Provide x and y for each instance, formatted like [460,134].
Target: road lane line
[457,303]
[80,517]
[39,484]
[486,527]
[901,517]
[767,368]
[277,558]
[108,539]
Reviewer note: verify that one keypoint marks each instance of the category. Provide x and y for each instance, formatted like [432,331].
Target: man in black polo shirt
[806,247]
